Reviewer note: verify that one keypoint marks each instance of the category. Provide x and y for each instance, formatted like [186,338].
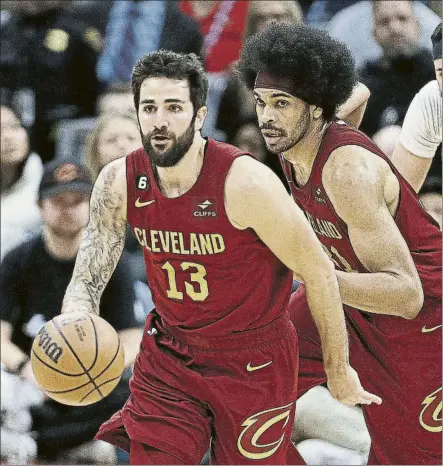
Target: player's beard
[178,146]
[287,141]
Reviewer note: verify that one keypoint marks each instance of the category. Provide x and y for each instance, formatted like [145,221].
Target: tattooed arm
[103,241]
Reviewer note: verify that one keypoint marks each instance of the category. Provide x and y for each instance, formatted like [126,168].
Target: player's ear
[200,117]
[317,112]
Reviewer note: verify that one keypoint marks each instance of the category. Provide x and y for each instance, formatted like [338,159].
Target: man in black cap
[34,278]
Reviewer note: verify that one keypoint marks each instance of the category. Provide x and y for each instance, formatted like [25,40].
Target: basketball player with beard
[385,248]
[221,237]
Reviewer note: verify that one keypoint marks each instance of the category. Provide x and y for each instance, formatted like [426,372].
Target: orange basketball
[77,358]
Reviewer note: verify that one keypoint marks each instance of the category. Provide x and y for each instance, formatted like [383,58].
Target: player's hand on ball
[345,386]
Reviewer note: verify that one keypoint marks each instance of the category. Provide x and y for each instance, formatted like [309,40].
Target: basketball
[77,358]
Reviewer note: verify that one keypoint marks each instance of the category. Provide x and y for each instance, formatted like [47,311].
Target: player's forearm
[414,169]
[327,311]
[354,108]
[380,293]
[101,247]
[95,264]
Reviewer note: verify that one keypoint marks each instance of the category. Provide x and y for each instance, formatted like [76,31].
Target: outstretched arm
[259,200]
[103,242]
[353,110]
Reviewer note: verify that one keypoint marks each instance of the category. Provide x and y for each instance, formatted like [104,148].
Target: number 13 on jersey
[196,288]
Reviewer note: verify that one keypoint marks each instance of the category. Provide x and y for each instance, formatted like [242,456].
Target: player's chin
[276,147]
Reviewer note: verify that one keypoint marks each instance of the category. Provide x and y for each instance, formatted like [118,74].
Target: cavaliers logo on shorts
[261,437]
[431,414]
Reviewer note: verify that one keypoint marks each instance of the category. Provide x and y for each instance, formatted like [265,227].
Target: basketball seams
[77,358]
[110,362]
[55,392]
[101,385]
[55,369]
[96,342]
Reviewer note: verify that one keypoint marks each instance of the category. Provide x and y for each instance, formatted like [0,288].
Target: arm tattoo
[100,250]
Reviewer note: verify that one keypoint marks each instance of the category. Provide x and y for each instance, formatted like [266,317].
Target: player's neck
[177,180]
[303,154]
[62,247]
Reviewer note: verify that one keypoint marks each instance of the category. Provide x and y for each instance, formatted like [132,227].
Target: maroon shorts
[238,391]
[398,360]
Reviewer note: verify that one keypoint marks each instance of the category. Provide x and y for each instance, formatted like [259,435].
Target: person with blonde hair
[114,136]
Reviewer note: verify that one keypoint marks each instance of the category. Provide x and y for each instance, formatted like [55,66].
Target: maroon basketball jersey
[205,275]
[418,228]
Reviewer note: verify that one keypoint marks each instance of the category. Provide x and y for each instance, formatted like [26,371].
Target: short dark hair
[321,69]
[166,64]
[436,35]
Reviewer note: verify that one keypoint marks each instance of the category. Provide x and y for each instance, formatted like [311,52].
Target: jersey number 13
[197,277]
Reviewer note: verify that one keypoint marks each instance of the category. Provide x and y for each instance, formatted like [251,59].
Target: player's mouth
[159,138]
[271,136]
[160,142]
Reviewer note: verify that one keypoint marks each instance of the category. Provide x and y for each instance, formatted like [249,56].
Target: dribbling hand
[345,386]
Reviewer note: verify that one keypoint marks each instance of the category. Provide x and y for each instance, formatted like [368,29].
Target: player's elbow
[412,299]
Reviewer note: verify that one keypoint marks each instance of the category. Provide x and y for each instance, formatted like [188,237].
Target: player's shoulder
[353,172]
[248,175]
[113,173]
[353,164]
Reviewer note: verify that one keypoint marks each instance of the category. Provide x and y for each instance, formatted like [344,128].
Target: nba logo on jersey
[204,207]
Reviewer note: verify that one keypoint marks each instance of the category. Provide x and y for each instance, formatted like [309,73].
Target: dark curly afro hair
[322,69]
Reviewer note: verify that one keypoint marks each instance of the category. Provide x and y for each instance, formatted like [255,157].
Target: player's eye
[149,109]
[175,108]
[282,103]
[259,102]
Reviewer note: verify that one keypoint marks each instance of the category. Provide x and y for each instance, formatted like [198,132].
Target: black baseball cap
[61,176]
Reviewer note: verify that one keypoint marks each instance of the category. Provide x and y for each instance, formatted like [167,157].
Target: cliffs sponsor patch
[204,208]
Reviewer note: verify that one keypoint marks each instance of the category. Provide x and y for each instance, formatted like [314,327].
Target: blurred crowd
[67,110]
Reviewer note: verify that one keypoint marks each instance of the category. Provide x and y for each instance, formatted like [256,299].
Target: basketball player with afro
[385,248]
[218,360]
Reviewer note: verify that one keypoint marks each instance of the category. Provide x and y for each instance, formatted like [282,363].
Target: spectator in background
[422,129]
[135,28]
[353,26]
[117,98]
[431,198]
[47,69]
[401,71]
[114,136]
[222,24]
[20,174]
[237,105]
[34,278]
[321,11]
